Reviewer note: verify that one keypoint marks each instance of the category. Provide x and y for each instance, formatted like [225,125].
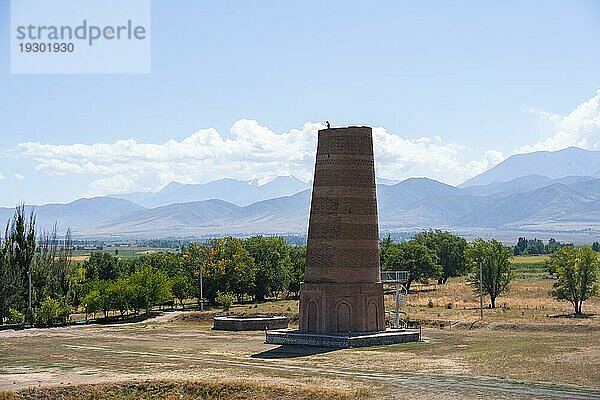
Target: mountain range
[241,193]
[536,192]
[571,161]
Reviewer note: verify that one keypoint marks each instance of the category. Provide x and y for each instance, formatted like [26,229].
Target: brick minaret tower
[342,290]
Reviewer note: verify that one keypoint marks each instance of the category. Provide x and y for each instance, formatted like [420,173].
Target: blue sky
[240,87]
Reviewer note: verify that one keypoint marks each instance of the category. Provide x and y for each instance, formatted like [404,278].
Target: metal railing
[398,278]
[394,276]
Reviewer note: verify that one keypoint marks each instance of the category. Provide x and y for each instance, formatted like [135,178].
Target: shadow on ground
[292,352]
[571,316]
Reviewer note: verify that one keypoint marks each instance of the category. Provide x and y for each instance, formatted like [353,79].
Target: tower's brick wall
[342,290]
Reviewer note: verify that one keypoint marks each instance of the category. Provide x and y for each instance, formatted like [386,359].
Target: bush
[15,316]
[225,300]
[52,311]
[430,304]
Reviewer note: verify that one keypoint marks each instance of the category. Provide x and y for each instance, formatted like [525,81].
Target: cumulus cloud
[2,176]
[400,158]
[114,184]
[19,176]
[58,167]
[579,128]
[490,158]
[249,151]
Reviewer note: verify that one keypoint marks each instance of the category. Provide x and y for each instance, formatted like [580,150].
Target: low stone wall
[249,323]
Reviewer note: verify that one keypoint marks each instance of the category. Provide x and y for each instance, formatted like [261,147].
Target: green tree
[384,247]
[10,279]
[119,294]
[240,270]
[225,300]
[77,285]
[414,257]
[297,263]
[149,287]
[577,271]
[494,259]
[48,312]
[92,302]
[52,264]
[102,266]
[195,259]
[127,266]
[521,247]
[170,263]
[106,301]
[272,260]
[23,243]
[181,288]
[227,267]
[15,316]
[52,311]
[450,251]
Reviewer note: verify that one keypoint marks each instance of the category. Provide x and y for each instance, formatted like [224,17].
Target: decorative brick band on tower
[342,290]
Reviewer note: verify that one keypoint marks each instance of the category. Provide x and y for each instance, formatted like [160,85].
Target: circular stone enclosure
[250,322]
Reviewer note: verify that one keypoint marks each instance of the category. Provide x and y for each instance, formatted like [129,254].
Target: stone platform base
[295,337]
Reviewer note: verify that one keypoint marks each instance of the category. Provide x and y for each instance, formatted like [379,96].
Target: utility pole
[201,293]
[29,308]
[480,291]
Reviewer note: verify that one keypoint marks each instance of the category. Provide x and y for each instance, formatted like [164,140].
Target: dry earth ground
[457,363]
[527,348]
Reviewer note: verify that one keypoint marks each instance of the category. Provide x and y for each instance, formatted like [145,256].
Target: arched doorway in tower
[342,312]
[373,317]
[313,317]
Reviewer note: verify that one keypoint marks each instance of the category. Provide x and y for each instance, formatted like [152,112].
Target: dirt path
[481,386]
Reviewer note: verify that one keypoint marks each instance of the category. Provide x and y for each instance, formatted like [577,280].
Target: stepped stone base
[295,337]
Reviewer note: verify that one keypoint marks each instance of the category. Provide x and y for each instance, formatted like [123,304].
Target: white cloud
[491,158]
[249,151]
[579,128]
[399,158]
[2,176]
[58,167]
[114,184]
[19,176]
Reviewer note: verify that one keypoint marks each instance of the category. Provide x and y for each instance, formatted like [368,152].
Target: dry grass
[527,301]
[80,257]
[183,390]
[186,348]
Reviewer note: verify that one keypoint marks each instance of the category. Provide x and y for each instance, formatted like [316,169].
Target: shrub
[15,316]
[52,311]
[225,300]
[449,306]
[430,304]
